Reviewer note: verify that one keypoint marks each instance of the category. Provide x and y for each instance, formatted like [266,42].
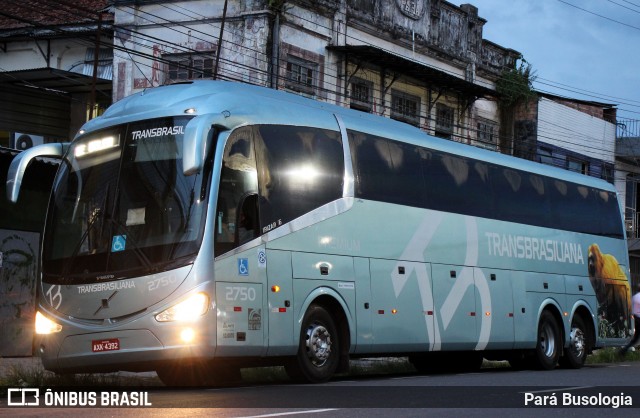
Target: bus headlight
[187,310]
[46,326]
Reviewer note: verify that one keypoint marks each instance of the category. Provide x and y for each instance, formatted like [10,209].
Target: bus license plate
[112,344]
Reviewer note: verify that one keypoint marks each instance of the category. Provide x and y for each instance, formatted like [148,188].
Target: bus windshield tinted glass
[122,205]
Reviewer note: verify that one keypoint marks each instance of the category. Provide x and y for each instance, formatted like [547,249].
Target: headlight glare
[189,309]
[45,326]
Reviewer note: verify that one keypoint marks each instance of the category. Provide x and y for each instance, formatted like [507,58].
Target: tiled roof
[17,14]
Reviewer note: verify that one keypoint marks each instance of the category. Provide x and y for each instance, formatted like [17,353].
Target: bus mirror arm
[197,141]
[21,161]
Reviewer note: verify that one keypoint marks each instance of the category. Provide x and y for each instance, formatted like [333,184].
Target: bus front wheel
[548,347]
[319,349]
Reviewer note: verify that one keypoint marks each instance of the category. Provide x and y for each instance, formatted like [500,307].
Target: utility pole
[224,17]
[96,55]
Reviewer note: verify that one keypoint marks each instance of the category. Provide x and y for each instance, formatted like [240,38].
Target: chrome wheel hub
[577,342]
[318,344]
[547,341]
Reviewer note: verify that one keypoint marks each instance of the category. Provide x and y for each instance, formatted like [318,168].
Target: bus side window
[521,197]
[610,220]
[237,192]
[299,169]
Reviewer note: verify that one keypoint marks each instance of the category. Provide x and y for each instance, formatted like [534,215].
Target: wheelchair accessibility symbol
[243,266]
[118,243]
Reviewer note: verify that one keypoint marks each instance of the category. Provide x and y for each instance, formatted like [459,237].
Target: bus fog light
[189,309]
[46,326]
[187,335]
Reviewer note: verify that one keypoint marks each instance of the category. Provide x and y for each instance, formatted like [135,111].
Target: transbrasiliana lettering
[100,287]
[532,248]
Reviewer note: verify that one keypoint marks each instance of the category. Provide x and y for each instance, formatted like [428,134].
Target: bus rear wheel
[319,349]
[579,345]
[548,347]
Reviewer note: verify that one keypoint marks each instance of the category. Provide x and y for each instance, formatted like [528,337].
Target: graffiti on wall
[18,269]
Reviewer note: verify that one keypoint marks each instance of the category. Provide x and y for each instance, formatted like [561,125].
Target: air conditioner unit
[22,141]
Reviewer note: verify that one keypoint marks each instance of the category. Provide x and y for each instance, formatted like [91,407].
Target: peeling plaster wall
[436,27]
[192,29]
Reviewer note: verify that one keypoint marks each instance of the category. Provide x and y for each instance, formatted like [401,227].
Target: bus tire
[579,345]
[319,349]
[549,343]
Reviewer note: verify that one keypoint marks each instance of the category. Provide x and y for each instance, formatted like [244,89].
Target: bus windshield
[121,205]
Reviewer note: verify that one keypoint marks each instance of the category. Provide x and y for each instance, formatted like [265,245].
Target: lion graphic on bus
[611,286]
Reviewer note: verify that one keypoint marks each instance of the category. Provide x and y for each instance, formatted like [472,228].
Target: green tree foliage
[515,85]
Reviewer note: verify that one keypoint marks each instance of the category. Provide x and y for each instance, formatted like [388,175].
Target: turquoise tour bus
[201,227]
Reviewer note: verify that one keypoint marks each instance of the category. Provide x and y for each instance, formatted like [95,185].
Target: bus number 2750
[241,293]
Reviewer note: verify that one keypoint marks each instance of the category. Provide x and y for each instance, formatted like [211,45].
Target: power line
[428,117]
[232,74]
[579,91]
[571,89]
[623,6]
[599,15]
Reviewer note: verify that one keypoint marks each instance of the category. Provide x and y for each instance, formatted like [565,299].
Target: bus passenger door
[454,293]
[280,303]
[240,303]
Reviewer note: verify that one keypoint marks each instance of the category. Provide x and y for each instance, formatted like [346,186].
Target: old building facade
[422,62]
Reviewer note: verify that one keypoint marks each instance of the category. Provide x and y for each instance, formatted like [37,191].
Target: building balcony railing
[628,128]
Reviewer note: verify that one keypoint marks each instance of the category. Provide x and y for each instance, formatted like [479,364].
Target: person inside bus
[247,228]
[635,306]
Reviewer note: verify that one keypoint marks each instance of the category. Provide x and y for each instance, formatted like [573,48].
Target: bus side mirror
[197,141]
[21,161]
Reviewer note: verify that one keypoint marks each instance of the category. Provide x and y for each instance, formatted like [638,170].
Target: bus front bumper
[133,350]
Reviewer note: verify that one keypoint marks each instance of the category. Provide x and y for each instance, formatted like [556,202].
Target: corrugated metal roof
[43,13]
[55,80]
[105,63]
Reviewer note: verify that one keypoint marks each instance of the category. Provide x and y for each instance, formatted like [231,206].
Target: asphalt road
[490,392]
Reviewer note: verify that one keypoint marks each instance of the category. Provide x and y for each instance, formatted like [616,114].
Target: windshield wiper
[97,214]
